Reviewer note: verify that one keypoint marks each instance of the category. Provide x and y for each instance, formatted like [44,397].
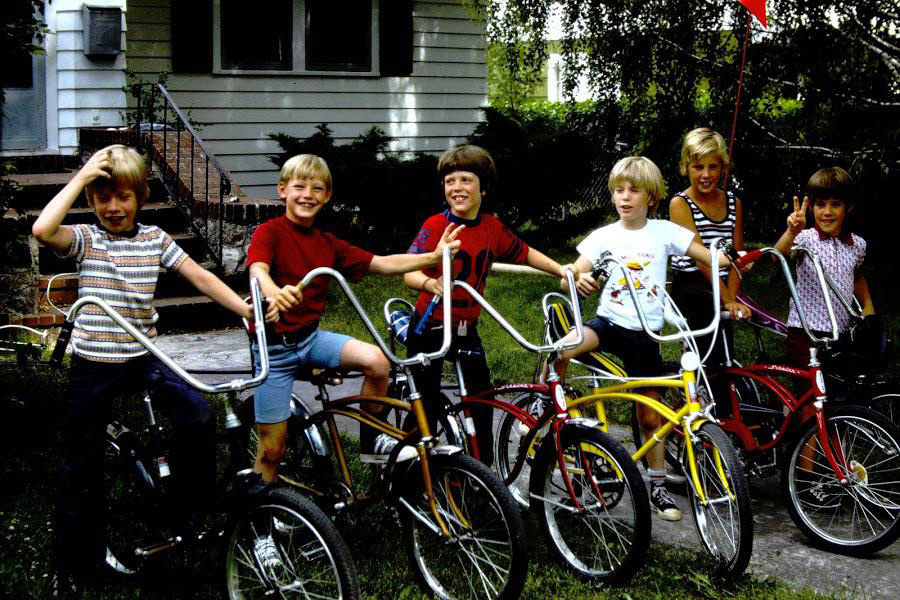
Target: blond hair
[127,168]
[306,166]
[700,142]
[643,174]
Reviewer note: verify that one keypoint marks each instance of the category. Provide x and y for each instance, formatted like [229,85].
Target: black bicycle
[274,542]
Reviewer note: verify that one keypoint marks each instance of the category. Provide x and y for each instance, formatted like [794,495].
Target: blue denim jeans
[81,503]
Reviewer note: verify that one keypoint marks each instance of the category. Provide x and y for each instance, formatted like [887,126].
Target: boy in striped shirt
[119,261]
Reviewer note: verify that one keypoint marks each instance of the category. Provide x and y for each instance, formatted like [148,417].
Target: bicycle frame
[421,438]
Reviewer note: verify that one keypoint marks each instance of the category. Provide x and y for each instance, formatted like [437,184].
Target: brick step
[162,214]
[50,263]
[37,189]
[45,163]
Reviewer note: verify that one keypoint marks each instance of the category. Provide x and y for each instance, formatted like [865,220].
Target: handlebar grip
[748,258]
[59,351]
[420,326]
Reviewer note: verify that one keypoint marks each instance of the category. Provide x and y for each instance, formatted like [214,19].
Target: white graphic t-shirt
[645,253]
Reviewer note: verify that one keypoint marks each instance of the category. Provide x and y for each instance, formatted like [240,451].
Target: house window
[256,40]
[338,35]
[298,36]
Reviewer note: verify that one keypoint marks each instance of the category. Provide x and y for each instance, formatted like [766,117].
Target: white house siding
[82,91]
[437,106]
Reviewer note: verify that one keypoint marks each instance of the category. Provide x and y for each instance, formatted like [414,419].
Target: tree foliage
[821,87]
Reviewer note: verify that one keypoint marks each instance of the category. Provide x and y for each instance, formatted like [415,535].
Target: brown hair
[831,182]
[468,158]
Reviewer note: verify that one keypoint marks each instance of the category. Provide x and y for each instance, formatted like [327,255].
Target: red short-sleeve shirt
[484,240]
[292,251]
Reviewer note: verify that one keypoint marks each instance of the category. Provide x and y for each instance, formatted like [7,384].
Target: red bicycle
[839,463]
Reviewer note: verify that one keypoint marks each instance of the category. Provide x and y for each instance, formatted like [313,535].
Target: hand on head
[98,165]
[796,221]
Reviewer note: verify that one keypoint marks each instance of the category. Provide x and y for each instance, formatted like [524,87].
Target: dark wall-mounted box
[102,27]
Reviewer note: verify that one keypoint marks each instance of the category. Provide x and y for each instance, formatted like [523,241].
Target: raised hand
[796,221]
[448,238]
[98,165]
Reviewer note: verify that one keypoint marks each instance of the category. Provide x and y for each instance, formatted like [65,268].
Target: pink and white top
[841,259]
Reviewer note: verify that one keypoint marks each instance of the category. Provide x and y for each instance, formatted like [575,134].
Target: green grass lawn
[29,457]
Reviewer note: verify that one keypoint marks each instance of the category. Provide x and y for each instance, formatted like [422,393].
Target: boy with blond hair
[644,246]
[119,260]
[282,252]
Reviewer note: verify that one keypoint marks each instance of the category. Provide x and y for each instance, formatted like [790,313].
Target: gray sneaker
[384,445]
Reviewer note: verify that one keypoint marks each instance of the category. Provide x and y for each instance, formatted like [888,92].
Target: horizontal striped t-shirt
[123,271]
[708,229]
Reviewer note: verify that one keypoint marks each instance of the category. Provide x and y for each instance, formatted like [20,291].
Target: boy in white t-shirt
[644,247]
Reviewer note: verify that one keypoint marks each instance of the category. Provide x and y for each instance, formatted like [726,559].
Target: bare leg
[369,359]
[270,449]
[650,421]
[590,342]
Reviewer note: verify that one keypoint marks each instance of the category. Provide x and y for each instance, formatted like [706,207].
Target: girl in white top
[644,247]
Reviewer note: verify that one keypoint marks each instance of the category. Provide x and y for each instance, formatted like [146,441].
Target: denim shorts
[322,349]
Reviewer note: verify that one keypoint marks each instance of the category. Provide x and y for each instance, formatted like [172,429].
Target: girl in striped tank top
[711,213]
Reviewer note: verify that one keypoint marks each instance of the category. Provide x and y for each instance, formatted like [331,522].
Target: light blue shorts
[322,349]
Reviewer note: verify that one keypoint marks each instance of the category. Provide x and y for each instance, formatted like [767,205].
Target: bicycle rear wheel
[486,556]
[858,518]
[607,537]
[723,517]
[282,545]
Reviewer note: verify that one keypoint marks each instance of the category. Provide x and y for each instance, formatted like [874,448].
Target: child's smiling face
[304,198]
[829,214]
[705,172]
[463,192]
[116,208]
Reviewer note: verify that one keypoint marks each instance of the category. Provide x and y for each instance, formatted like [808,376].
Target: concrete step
[37,189]
[163,214]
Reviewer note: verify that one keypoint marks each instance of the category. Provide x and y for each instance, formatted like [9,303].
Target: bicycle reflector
[399,324]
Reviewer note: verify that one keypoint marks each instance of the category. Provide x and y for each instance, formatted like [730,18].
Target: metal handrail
[181,123]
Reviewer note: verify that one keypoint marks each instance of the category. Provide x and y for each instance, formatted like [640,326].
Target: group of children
[119,260]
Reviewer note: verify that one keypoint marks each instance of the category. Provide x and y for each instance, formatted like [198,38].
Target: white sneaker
[266,552]
[384,445]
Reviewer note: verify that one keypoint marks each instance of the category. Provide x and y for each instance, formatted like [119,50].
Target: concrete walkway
[779,549]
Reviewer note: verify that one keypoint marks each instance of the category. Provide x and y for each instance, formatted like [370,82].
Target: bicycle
[461,529]
[588,495]
[719,494]
[838,471]
[274,541]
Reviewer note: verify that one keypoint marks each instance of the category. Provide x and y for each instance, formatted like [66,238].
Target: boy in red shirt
[282,252]
[466,173]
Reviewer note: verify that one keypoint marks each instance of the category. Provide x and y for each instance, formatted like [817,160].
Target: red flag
[757,8]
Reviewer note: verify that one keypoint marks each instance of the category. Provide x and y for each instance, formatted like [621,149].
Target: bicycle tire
[862,517]
[621,529]
[884,400]
[281,544]
[724,520]
[486,524]
[510,433]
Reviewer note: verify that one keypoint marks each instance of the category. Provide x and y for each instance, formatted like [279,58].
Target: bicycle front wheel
[607,535]
[510,434]
[722,516]
[485,555]
[863,515]
[284,546]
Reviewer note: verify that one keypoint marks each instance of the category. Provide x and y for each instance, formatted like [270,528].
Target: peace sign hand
[796,221]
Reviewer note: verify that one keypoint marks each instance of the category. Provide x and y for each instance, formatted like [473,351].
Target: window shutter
[191,36]
[395,43]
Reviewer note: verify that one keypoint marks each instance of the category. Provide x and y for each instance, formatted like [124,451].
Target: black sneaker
[663,504]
